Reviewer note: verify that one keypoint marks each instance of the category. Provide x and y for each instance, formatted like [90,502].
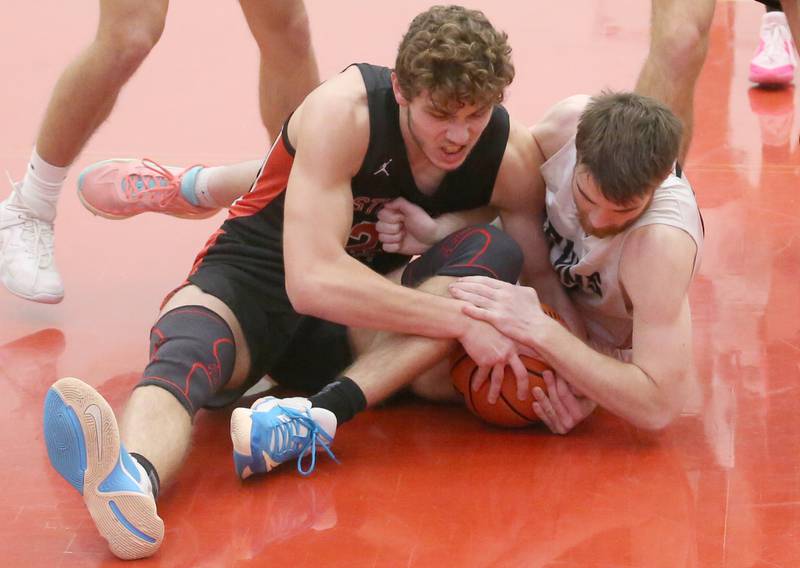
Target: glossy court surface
[420,485]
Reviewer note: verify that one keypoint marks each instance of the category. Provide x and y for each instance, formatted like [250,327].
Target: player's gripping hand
[561,408]
[493,352]
[405,228]
[513,310]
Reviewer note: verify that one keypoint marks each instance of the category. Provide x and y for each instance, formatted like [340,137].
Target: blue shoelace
[289,439]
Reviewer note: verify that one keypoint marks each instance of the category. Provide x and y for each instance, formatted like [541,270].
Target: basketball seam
[470,398]
[469,389]
[458,362]
[515,411]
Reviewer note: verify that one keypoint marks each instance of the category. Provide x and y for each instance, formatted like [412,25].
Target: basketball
[508,411]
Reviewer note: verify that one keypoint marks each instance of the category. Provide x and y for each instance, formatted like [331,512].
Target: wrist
[446,224]
[457,323]
[440,232]
[540,335]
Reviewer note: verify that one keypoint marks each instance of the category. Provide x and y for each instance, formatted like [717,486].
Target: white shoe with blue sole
[83,445]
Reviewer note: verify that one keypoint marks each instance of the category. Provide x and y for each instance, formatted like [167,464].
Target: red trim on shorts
[202,254]
[270,182]
[195,266]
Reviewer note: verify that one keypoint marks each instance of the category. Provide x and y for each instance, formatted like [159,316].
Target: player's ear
[398,94]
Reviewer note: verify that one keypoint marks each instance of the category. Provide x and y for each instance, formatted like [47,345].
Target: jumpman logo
[383,169]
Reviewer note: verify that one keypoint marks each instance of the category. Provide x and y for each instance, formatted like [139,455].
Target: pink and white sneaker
[118,189]
[775,58]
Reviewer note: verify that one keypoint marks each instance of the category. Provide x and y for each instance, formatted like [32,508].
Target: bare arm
[649,391]
[321,278]
[520,197]
[406,228]
[558,125]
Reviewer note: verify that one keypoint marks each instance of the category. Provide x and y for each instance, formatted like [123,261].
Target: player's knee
[192,355]
[130,43]
[293,24]
[681,47]
[287,23]
[436,389]
[483,250]
[502,253]
[298,33]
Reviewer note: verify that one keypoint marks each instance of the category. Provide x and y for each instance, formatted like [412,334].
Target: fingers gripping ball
[508,411]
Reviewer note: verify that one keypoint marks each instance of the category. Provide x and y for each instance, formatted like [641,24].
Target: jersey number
[363,240]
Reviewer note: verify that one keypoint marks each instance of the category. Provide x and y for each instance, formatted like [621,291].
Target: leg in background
[81,100]
[678,47]
[288,68]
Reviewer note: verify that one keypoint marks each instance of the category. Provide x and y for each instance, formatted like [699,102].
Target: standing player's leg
[678,47]
[792,10]
[122,188]
[118,189]
[287,69]
[197,349]
[81,100]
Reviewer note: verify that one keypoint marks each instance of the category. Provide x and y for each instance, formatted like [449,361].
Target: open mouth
[453,153]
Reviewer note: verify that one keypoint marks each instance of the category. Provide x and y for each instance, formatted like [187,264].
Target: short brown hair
[628,142]
[456,55]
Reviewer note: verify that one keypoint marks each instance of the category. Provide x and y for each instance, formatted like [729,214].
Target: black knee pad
[192,353]
[482,250]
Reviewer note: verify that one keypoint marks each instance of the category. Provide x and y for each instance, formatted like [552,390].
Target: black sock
[155,482]
[343,397]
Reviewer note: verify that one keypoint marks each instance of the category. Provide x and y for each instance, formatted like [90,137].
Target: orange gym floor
[420,485]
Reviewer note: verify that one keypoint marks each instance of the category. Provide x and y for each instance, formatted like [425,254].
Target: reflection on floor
[423,485]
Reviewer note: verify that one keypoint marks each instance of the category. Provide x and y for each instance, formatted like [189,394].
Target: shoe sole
[768,77]
[40,298]
[83,445]
[106,215]
[243,460]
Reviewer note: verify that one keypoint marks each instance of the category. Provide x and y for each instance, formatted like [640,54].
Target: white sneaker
[774,60]
[27,263]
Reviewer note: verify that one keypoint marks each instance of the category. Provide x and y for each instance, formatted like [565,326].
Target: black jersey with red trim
[250,241]
[385,173]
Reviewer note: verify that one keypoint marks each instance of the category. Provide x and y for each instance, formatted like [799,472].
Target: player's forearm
[349,293]
[621,388]
[449,223]
[550,291]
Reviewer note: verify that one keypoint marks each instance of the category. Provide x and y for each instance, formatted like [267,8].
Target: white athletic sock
[144,479]
[201,192]
[41,186]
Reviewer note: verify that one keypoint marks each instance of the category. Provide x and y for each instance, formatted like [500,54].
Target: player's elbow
[304,292]
[663,399]
[656,420]
[659,414]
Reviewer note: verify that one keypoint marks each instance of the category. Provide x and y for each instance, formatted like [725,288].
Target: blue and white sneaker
[275,430]
[84,447]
